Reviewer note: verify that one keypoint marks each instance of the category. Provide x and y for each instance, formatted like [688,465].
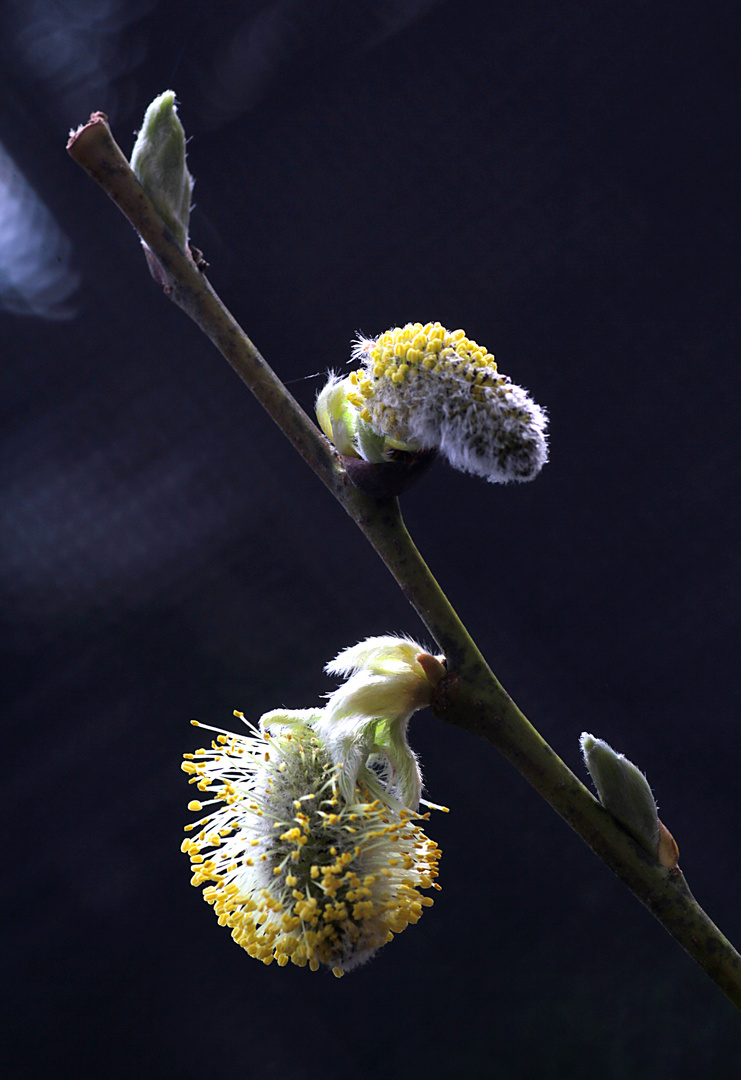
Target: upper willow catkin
[427,388]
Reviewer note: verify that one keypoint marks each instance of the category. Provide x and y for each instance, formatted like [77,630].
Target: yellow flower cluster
[399,354]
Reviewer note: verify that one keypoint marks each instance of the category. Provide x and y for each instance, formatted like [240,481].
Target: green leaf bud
[158,162]
[623,790]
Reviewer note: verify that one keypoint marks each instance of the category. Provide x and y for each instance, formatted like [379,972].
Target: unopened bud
[158,161]
[623,790]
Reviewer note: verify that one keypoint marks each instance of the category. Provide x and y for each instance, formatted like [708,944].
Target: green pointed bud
[158,162]
[623,790]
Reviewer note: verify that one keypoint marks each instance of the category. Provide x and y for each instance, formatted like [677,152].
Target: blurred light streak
[35,277]
[95,505]
[286,35]
[76,48]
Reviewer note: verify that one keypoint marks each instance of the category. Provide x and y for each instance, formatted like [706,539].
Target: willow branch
[470,696]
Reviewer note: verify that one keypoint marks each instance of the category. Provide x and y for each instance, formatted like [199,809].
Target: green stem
[470,696]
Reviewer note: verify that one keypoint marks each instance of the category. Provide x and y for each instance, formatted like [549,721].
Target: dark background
[560,181]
